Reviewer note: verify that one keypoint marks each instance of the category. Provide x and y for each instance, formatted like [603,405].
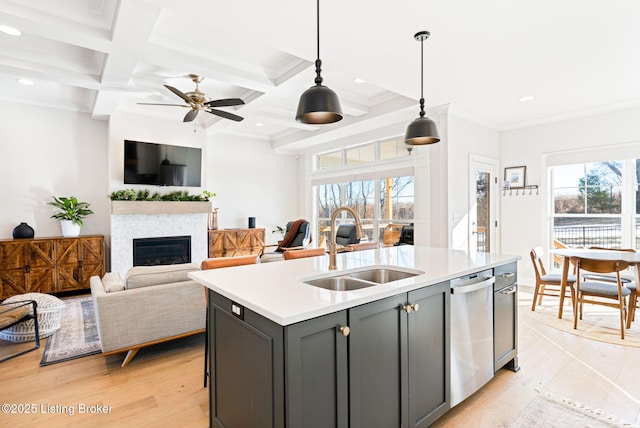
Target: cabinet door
[67,260]
[429,351]
[316,372]
[13,269]
[216,243]
[40,267]
[92,259]
[377,363]
[505,318]
[246,366]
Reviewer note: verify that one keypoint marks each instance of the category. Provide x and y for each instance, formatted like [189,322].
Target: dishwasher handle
[469,288]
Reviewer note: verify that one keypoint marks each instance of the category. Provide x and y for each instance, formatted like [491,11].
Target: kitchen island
[288,354]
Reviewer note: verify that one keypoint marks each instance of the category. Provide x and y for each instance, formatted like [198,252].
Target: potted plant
[71,212]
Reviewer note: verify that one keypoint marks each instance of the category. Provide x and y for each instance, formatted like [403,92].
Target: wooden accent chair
[391,234]
[547,284]
[602,293]
[217,263]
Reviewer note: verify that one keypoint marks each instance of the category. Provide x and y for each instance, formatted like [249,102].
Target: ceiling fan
[198,101]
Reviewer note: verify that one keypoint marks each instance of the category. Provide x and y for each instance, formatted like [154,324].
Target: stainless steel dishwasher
[471,334]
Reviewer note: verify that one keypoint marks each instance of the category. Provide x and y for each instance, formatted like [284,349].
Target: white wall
[464,139]
[47,152]
[252,181]
[526,218]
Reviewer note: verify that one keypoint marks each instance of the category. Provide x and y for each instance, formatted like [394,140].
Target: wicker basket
[49,317]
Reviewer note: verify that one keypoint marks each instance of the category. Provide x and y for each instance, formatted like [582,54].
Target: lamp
[318,104]
[422,130]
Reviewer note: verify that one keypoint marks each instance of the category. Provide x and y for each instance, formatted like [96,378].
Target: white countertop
[275,290]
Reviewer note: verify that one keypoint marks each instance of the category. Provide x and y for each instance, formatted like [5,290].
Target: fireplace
[162,251]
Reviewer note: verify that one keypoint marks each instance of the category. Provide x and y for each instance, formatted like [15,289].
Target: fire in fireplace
[162,251]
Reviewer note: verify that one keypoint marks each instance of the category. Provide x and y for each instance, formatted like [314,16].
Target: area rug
[598,322]
[549,410]
[77,336]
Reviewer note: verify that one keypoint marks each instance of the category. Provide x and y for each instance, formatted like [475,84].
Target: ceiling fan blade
[180,94]
[162,104]
[190,116]
[227,102]
[225,114]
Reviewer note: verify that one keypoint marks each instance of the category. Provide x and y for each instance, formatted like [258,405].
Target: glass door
[483,193]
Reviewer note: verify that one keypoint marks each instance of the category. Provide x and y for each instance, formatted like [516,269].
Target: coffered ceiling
[575,57]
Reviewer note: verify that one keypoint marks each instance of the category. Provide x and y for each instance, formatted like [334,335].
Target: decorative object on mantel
[212,221]
[23,231]
[146,195]
[71,212]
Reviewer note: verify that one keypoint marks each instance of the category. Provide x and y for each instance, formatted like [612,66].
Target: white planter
[69,228]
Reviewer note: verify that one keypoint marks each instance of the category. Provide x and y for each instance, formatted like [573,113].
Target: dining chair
[628,280]
[217,263]
[548,284]
[603,293]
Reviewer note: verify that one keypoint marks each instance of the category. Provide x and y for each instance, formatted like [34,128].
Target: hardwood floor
[163,384]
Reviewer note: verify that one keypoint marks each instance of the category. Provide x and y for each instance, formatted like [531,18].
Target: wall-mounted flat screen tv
[161,164]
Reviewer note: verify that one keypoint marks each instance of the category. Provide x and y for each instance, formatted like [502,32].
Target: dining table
[569,256]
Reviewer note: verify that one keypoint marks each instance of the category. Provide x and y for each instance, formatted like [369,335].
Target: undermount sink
[361,279]
[382,275]
[339,283]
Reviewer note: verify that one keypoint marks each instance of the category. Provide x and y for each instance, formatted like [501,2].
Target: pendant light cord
[422,113]
[318,79]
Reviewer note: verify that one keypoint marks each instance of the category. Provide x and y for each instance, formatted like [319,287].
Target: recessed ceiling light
[26,82]
[10,30]
[259,124]
[359,80]
[527,98]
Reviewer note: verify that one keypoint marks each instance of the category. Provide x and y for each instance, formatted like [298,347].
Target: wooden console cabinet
[49,265]
[235,242]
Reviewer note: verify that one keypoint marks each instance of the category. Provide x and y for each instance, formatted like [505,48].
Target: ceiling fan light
[319,105]
[421,131]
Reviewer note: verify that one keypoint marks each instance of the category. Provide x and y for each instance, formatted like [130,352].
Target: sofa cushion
[112,282]
[145,276]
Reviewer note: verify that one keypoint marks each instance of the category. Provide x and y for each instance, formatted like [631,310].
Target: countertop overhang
[275,290]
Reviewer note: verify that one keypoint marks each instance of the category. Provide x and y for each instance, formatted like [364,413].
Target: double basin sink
[362,278]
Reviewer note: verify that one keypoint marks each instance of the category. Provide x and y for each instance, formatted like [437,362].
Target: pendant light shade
[422,130]
[318,104]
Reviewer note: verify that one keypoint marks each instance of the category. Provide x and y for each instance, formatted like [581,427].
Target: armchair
[297,237]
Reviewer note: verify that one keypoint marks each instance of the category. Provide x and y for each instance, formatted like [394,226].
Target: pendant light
[422,130]
[318,104]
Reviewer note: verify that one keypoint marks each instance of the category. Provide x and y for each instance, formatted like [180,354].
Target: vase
[69,228]
[212,220]
[23,231]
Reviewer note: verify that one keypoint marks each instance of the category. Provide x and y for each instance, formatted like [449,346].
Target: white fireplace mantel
[161,207]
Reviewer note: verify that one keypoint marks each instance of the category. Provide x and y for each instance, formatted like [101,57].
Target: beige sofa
[152,304]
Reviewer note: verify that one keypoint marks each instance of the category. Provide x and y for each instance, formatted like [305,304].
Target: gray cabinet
[505,317]
[389,368]
[399,359]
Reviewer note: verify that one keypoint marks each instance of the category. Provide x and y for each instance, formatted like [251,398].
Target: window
[362,154]
[378,202]
[587,204]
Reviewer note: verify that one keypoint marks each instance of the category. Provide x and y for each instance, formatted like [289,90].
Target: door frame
[492,165]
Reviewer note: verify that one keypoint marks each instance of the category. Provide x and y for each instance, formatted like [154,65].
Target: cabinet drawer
[505,275]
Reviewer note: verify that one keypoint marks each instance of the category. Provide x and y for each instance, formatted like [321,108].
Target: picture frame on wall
[515,176]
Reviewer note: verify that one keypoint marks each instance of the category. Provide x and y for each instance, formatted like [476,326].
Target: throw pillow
[112,282]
